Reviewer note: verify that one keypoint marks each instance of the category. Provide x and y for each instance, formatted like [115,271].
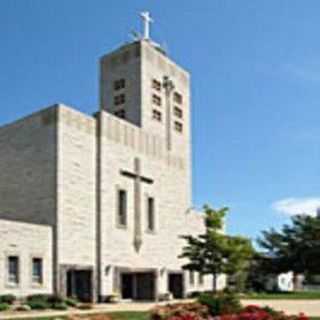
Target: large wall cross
[138,179]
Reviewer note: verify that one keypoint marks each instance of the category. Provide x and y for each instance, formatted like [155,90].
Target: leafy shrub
[7,298]
[38,304]
[4,306]
[180,311]
[39,297]
[71,302]
[60,306]
[54,299]
[38,301]
[221,303]
[46,301]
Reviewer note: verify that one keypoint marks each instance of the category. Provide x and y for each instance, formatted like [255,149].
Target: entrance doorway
[79,285]
[175,285]
[138,285]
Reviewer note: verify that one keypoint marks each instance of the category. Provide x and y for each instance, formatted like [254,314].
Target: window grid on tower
[120,113]
[178,126]
[156,115]
[156,100]
[119,84]
[177,98]
[119,99]
[178,112]
[156,85]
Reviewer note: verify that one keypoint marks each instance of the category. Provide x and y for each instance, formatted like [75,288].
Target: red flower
[302,316]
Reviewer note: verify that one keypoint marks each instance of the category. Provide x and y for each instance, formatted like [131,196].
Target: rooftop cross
[146,21]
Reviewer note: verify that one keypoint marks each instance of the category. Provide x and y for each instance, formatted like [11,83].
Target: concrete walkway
[309,307]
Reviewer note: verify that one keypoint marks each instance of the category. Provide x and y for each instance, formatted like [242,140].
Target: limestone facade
[61,171]
[26,241]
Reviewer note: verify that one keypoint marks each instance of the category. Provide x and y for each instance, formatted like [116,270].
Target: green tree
[214,252]
[296,247]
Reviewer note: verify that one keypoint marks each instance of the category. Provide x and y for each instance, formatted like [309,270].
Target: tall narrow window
[201,279]
[191,278]
[122,207]
[37,271]
[13,270]
[151,212]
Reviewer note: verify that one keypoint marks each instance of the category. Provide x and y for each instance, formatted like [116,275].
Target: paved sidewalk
[309,307]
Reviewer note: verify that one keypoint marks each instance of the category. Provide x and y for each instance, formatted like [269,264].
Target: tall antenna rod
[146,23]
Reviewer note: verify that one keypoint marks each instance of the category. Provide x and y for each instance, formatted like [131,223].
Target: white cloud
[293,206]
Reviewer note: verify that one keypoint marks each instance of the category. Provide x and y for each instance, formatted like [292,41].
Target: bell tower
[140,84]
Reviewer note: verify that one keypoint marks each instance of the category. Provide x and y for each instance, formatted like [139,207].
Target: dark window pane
[122,207]
[178,112]
[151,214]
[156,115]
[37,270]
[119,99]
[119,84]
[178,126]
[156,100]
[156,84]
[177,97]
[13,269]
[120,113]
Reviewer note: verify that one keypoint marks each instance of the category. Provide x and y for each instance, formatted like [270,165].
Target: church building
[92,205]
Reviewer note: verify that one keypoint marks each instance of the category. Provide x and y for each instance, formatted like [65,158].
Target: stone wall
[28,169]
[76,188]
[50,166]
[25,241]
[160,249]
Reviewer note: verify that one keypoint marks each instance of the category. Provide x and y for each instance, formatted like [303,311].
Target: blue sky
[255,69]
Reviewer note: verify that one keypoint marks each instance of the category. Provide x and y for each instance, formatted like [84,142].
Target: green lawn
[121,315]
[284,296]
[133,315]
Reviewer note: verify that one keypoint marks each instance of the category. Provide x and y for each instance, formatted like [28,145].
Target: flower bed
[181,311]
[258,313]
[196,311]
